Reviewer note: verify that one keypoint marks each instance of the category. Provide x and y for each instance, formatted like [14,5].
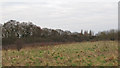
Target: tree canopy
[14,31]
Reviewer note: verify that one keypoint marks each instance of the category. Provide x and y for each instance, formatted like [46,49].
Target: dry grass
[101,53]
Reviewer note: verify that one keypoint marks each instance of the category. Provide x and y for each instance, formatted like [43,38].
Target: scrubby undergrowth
[101,53]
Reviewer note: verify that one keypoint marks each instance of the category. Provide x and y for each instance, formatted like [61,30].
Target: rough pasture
[101,53]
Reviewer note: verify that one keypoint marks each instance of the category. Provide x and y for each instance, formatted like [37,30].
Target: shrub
[19,44]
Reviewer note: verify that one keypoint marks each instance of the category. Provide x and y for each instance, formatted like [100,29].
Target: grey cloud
[65,14]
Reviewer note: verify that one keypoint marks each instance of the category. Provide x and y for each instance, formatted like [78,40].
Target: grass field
[101,53]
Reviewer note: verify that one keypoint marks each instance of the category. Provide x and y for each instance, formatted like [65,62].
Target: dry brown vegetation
[101,53]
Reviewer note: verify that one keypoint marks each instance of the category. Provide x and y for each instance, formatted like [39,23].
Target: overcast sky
[73,15]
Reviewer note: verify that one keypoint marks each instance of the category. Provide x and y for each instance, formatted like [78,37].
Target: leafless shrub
[19,44]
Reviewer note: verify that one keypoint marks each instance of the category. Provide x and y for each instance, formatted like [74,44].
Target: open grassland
[101,53]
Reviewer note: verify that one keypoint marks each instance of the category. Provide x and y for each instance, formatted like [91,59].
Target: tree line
[26,32]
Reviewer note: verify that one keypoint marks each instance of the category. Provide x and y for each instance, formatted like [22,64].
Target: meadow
[100,53]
